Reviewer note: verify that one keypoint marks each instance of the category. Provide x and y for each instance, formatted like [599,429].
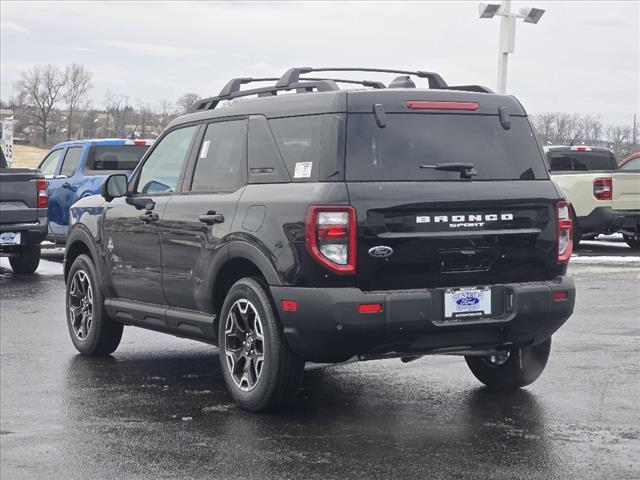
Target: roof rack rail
[293,74]
[471,88]
[233,88]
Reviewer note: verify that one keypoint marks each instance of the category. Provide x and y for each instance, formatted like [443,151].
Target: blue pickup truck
[77,169]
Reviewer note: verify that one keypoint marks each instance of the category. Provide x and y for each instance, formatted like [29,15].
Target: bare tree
[166,111]
[145,113]
[78,85]
[41,88]
[544,124]
[186,101]
[619,140]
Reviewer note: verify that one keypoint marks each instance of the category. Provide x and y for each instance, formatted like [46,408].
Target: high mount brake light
[603,188]
[330,236]
[564,225]
[138,142]
[431,105]
[42,199]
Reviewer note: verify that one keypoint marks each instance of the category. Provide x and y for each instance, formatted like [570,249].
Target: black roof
[292,95]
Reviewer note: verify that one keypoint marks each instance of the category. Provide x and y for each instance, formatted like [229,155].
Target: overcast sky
[582,56]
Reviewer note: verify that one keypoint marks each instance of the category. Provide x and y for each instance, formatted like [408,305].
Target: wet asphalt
[158,407]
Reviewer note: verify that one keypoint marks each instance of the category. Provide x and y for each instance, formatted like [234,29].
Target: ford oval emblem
[467,301]
[381,251]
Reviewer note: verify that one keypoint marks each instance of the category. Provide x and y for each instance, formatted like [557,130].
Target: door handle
[211,218]
[65,185]
[149,217]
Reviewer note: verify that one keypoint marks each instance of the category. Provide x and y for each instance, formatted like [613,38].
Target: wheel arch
[80,242]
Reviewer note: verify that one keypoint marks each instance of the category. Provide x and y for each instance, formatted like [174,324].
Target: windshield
[397,151]
[115,157]
[567,161]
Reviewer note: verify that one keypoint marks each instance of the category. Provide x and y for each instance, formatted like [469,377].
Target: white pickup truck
[603,198]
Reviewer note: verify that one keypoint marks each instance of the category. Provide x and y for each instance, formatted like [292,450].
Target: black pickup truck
[318,224]
[23,216]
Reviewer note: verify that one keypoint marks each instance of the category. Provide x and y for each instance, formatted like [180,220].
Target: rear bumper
[608,220]
[30,233]
[327,326]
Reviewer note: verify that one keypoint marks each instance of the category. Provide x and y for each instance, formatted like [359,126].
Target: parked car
[78,168]
[330,225]
[632,162]
[603,198]
[23,216]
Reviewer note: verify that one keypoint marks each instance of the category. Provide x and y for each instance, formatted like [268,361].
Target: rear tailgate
[435,227]
[454,234]
[626,191]
[18,196]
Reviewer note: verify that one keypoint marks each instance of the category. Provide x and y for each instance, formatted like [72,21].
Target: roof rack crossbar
[293,74]
[300,87]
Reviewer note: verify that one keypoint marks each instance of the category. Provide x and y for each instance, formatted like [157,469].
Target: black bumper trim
[327,326]
[608,220]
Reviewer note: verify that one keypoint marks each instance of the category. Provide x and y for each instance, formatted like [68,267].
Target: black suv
[319,224]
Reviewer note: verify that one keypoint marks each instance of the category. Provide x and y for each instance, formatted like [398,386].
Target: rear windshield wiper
[467,170]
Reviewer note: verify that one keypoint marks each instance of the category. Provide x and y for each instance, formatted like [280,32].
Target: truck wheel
[517,368]
[92,332]
[633,242]
[260,370]
[27,260]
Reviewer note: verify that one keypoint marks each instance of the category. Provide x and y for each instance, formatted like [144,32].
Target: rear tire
[633,242]
[92,332]
[27,259]
[260,370]
[520,366]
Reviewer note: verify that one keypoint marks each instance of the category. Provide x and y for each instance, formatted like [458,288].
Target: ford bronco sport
[319,224]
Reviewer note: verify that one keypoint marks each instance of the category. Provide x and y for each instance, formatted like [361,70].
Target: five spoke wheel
[81,305]
[244,344]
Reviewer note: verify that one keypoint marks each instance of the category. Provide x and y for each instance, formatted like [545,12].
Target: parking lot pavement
[158,407]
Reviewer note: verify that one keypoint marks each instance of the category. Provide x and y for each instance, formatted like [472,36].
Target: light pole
[507,32]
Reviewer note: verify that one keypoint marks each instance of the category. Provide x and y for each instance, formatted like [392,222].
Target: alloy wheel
[81,305]
[244,344]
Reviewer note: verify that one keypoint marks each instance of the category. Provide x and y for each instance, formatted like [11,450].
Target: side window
[221,160]
[162,168]
[70,162]
[49,164]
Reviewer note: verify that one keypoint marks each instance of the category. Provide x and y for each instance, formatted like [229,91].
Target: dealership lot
[159,409]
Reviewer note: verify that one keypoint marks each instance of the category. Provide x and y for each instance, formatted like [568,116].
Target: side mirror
[115,186]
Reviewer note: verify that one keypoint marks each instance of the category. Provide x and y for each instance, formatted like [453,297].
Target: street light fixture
[507,32]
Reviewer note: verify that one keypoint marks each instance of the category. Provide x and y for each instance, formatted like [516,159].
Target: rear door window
[222,157]
[115,157]
[70,162]
[410,141]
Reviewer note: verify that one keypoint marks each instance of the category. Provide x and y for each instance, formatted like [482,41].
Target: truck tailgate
[626,191]
[18,196]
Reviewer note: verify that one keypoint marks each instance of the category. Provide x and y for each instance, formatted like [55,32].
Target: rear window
[115,157]
[567,161]
[396,152]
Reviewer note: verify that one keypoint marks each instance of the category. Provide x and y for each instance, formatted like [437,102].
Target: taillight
[565,231]
[603,188]
[330,235]
[41,190]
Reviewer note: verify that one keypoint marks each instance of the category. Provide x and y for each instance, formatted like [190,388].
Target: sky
[583,57]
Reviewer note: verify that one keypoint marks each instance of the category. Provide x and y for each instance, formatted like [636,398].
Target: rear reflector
[289,305]
[370,308]
[603,188]
[559,296]
[429,105]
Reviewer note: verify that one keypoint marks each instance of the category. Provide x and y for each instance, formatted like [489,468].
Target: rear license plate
[9,238]
[465,303]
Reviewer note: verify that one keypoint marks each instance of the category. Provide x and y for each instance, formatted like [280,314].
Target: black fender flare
[248,251]
[80,234]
